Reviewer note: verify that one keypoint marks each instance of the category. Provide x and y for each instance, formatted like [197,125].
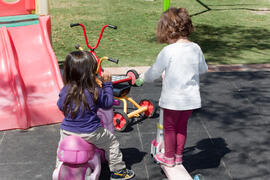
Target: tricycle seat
[120,90]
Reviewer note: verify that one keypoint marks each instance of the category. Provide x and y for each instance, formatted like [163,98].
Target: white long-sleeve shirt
[182,63]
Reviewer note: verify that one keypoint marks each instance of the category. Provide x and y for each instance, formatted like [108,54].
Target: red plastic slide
[30,77]
[18,7]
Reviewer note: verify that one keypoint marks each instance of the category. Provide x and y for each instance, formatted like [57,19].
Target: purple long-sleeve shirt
[86,121]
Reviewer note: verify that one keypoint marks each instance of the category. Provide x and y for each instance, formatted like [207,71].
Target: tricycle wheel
[151,107]
[134,75]
[120,121]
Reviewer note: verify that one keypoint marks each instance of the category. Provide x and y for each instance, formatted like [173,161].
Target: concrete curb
[211,68]
[123,70]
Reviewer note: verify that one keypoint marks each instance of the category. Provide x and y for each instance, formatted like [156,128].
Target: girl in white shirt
[182,62]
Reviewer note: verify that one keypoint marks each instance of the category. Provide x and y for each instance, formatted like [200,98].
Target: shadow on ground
[130,156]
[230,42]
[207,153]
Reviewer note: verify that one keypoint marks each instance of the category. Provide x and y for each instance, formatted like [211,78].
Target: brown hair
[173,24]
[80,75]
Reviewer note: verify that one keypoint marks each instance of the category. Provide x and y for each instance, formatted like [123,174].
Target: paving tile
[228,138]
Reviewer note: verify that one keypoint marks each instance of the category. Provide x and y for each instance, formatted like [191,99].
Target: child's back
[182,63]
[80,99]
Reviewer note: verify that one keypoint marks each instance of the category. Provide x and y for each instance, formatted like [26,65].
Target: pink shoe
[169,162]
[178,159]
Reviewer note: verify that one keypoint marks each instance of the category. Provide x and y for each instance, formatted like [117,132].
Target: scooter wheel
[134,75]
[120,121]
[151,107]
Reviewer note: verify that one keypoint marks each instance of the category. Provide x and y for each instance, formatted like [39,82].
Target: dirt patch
[261,11]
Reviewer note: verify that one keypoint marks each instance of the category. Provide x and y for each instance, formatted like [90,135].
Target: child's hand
[139,82]
[106,76]
[99,82]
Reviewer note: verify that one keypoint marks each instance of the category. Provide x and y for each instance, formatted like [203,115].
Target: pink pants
[175,131]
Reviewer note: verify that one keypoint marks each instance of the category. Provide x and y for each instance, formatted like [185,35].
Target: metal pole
[166,5]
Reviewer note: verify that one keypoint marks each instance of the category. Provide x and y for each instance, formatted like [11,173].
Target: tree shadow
[235,106]
[236,99]
[224,9]
[230,42]
[221,43]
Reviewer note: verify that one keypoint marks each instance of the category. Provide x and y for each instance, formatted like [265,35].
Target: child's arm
[60,104]
[106,94]
[155,71]
[202,64]
[62,96]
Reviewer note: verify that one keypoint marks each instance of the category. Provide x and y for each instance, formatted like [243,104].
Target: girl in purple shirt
[79,100]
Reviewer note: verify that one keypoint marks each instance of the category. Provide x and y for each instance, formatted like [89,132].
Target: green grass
[229,31]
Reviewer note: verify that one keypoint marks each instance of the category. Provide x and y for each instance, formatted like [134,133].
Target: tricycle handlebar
[113,60]
[112,26]
[105,58]
[75,24]
[100,35]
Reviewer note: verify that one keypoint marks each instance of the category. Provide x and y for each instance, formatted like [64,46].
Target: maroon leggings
[175,131]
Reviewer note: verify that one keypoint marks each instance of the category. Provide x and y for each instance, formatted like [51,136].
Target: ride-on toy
[80,160]
[121,88]
[173,173]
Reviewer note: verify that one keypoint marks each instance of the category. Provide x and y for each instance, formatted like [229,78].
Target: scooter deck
[177,172]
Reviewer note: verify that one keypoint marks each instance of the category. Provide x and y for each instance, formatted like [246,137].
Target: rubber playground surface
[228,139]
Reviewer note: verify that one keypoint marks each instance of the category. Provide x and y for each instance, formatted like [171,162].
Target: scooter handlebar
[112,26]
[113,60]
[75,24]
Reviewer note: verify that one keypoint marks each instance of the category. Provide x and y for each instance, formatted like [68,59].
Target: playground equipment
[121,88]
[166,5]
[23,7]
[30,77]
[80,159]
